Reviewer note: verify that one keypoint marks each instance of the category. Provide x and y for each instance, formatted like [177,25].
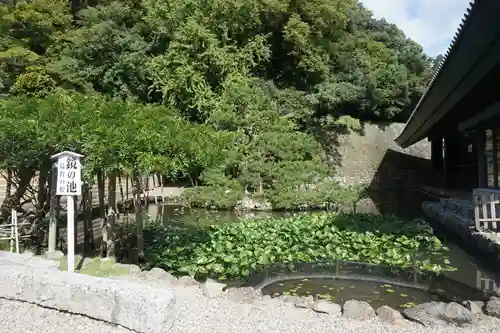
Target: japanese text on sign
[68,176]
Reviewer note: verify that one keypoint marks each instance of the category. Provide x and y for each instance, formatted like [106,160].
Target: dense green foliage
[234,250]
[274,76]
[31,130]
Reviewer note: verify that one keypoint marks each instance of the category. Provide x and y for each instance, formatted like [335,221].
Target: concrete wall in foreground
[135,306]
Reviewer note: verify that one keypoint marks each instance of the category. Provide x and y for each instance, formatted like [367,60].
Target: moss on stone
[96,267]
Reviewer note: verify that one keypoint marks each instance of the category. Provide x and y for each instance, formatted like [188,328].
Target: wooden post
[437,153]
[70,214]
[102,212]
[482,173]
[493,211]
[448,159]
[477,202]
[69,184]
[12,230]
[52,210]
[494,154]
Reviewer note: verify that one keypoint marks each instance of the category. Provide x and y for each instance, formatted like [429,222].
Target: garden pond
[344,280]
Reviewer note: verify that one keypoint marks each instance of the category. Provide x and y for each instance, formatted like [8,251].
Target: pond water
[339,291]
[471,272]
[376,284]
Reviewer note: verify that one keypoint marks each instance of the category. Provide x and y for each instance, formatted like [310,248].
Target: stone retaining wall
[135,306]
[458,221]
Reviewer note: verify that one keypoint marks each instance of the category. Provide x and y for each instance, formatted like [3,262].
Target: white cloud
[431,23]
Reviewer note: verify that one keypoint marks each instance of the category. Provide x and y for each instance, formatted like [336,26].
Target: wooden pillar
[482,172]
[448,160]
[494,143]
[437,154]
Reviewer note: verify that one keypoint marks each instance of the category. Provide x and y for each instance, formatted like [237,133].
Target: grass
[4,245]
[96,267]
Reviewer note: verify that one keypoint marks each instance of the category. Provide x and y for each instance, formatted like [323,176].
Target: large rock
[288,299]
[323,306]
[134,306]
[306,302]
[159,275]
[358,310]
[27,258]
[212,288]
[440,313]
[132,269]
[247,204]
[391,316]
[492,307]
[244,294]
[475,307]
[186,281]
[54,255]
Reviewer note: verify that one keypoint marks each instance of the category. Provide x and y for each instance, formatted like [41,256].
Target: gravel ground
[198,314]
[18,317]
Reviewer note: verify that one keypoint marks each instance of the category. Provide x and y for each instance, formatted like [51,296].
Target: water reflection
[173,214]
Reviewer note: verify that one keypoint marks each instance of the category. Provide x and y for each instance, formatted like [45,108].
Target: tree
[240,97]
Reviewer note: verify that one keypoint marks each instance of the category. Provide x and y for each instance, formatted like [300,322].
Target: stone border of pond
[427,314]
[456,218]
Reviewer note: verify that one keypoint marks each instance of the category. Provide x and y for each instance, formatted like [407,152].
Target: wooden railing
[11,232]
[484,282]
[486,213]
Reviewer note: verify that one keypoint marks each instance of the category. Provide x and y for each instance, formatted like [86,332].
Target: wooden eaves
[473,53]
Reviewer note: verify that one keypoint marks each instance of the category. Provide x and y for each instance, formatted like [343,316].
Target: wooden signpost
[69,183]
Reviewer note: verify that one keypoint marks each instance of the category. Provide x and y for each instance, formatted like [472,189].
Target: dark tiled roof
[449,51]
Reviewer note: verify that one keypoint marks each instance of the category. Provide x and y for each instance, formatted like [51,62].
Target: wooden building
[459,112]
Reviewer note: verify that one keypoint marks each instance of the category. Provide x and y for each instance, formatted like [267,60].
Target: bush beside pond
[234,250]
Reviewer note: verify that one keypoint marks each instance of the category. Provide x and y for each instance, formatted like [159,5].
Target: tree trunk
[88,229]
[41,205]
[111,225]
[8,189]
[102,213]
[122,195]
[136,192]
[13,200]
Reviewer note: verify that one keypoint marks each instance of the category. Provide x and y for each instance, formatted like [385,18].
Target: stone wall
[392,173]
[138,307]
[362,154]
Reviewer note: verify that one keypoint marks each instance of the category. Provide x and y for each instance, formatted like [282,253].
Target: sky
[431,23]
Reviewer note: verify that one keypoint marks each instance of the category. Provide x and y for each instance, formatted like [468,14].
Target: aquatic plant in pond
[234,250]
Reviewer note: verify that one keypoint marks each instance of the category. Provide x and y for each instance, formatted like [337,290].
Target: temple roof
[458,73]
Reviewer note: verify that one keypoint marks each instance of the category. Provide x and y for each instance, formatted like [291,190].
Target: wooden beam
[488,113]
[485,65]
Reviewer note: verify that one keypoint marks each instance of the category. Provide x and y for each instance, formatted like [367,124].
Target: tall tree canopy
[270,72]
